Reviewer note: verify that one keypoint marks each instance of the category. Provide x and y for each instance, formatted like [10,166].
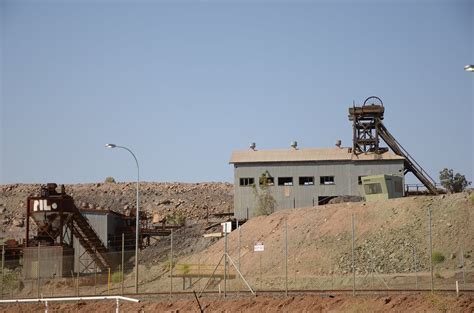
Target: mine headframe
[368,129]
[366,120]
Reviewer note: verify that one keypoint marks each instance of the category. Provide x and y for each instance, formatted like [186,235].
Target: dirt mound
[319,238]
[194,201]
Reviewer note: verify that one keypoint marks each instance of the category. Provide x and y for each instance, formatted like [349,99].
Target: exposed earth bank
[313,303]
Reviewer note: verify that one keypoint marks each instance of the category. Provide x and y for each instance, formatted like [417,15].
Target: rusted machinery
[66,238]
[58,220]
[367,131]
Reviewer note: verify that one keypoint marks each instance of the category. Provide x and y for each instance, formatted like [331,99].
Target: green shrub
[471,198]
[176,218]
[167,265]
[110,179]
[437,257]
[116,277]
[11,280]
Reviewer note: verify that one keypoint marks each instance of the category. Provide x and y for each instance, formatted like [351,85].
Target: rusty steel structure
[59,222]
[368,129]
[58,219]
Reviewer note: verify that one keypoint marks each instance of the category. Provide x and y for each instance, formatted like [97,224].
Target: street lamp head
[110,145]
[469,68]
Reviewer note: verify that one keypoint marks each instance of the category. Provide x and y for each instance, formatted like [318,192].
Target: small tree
[266,203]
[453,182]
[110,179]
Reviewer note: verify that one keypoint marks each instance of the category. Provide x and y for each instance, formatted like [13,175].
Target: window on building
[373,189]
[285,181]
[247,181]
[326,180]
[306,180]
[269,181]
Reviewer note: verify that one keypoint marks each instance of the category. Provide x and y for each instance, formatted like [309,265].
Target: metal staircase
[91,241]
[410,164]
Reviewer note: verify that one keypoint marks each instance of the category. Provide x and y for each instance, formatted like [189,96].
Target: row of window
[287,181]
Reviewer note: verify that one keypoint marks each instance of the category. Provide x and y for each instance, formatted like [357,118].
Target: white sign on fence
[258,247]
[226,227]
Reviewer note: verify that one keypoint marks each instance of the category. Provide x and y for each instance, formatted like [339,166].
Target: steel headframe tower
[366,120]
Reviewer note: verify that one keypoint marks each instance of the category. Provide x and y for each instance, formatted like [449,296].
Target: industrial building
[307,177]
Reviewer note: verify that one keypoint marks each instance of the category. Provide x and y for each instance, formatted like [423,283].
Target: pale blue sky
[184,83]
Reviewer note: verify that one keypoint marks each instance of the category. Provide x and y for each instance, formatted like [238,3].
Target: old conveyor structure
[58,220]
[368,129]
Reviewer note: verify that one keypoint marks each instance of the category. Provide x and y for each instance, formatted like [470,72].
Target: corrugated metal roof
[310,154]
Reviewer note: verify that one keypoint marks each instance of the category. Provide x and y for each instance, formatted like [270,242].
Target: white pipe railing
[46,300]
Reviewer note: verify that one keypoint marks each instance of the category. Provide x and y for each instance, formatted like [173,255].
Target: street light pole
[137,215]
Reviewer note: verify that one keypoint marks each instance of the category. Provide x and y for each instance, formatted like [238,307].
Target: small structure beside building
[381,187]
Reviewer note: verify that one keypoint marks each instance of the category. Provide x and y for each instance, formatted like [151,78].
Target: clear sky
[183,83]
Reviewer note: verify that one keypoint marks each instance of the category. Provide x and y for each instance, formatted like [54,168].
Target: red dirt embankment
[309,303]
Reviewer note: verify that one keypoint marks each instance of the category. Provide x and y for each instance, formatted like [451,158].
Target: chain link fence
[286,255]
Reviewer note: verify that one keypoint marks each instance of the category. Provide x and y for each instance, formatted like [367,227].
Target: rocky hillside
[319,238]
[195,201]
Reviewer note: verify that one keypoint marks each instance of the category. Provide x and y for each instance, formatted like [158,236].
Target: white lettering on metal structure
[42,205]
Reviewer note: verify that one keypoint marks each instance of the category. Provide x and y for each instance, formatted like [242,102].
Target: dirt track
[313,303]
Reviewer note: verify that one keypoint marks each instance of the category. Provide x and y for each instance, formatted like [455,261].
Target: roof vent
[294,145]
[338,143]
[253,146]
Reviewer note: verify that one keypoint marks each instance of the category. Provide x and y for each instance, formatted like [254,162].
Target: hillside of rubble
[387,235]
[195,201]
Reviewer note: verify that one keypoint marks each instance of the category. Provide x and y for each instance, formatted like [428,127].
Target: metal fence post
[353,259]
[225,260]
[463,270]
[38,269]
[286,257]
[431,251]
[3,267]
[261,283]
[239,243]
[415,268]
[171,265]
[238,227]
[123,260]
[77,282]
[95,278]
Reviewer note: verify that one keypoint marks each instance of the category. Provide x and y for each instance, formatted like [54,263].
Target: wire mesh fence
[426,252]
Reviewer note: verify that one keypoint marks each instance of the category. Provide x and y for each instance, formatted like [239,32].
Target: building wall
[345,174]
